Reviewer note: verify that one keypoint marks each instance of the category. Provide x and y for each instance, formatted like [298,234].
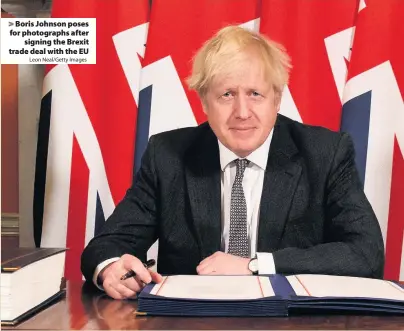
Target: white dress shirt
[253,181]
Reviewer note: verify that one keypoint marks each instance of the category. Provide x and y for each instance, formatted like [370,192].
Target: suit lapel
[281,177]
[202,171]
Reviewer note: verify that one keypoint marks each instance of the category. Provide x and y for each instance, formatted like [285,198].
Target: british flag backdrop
[87,129]
[317,35]
[96,120]
[373,114]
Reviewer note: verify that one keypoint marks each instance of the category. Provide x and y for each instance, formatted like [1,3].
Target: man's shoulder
[309,133]
[311,140]
[306,129]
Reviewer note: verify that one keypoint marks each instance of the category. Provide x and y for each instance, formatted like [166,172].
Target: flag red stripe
[302,26]
[395,230]
[79,183]
[103,86]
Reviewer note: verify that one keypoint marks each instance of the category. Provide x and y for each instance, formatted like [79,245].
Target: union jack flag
[317,35]
[373,114]
[96,119]
[87,129]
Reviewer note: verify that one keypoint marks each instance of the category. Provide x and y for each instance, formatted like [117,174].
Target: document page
[214,287]
[349,287]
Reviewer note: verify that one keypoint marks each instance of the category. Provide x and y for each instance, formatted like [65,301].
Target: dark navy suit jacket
[314,216]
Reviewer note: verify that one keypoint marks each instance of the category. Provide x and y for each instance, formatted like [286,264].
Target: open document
[273,295]
[218,288]
[345,287]
[321,293]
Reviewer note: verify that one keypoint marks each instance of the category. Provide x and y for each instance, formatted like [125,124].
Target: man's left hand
[221,263]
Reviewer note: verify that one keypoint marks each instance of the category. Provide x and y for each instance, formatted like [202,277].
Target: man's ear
[278,106]
[204,105]
[277,99]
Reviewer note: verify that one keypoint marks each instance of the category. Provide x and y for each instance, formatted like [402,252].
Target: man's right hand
[121,289]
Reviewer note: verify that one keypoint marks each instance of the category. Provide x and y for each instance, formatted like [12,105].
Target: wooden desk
[86,308]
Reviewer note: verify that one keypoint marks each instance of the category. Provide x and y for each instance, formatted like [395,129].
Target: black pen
[131,273]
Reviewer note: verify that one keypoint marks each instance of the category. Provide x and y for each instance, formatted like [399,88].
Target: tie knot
[241,164]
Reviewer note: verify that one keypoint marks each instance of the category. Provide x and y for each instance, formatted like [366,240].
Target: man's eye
[255,94]
[227,95]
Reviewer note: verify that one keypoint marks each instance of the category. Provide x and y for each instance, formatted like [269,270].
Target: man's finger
[124,291]
[156,277]
[133,284]
[210,257]
[205,269]
[208,261]
[137,266]
[143,275]
[112,292]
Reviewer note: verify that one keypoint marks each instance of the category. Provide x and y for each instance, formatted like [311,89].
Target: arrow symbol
[10,23]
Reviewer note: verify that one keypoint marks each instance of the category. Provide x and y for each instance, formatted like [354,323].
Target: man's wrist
[100,278]
[98,282]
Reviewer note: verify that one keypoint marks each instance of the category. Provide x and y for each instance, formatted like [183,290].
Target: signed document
[214,287]
[345,287]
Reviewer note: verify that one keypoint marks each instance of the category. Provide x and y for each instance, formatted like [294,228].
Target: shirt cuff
[266,264]
[99,268]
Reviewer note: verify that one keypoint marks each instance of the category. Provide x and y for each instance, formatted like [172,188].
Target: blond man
[247,192]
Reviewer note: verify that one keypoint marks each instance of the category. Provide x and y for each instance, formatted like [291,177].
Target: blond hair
[225,49]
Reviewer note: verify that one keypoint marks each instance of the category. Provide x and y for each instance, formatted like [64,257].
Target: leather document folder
[271,295]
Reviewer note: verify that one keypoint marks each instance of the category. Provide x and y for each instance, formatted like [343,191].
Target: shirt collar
[259,157]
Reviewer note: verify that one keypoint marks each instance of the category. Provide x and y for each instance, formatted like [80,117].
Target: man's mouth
[242,128]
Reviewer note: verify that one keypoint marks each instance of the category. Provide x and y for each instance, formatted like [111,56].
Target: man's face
[241,107]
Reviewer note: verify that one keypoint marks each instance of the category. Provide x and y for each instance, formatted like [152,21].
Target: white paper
[349,287]
[214,287]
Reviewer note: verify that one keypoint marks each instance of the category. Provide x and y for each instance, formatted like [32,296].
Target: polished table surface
[86,308]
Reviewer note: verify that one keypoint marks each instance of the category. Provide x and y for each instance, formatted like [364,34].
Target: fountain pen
[131,273]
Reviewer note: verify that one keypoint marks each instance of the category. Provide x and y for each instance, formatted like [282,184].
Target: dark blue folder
[284,303]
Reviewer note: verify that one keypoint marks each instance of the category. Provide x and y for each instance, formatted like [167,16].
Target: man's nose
[241,107]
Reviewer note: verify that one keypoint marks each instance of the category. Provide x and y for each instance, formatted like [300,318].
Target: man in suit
[248,192]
